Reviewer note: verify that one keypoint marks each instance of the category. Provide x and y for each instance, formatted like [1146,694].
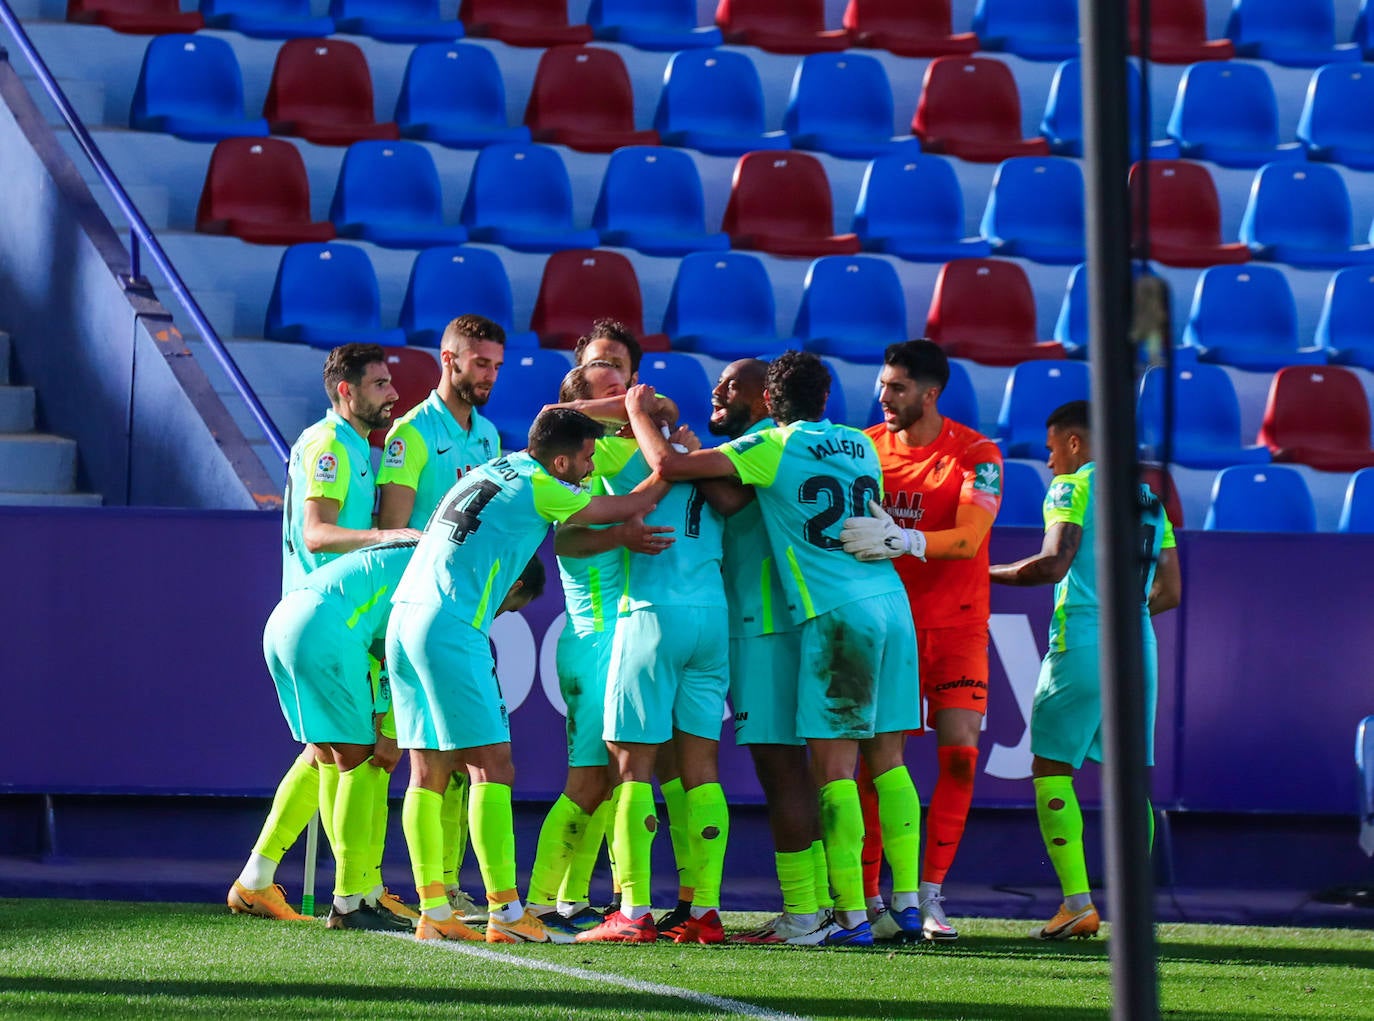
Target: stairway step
[37,463]
[16,409]
[4,358]
[10,499]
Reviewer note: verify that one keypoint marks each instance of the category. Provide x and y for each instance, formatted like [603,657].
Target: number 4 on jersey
[464,509]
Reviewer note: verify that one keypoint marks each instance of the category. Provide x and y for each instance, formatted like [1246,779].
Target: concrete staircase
[35,468]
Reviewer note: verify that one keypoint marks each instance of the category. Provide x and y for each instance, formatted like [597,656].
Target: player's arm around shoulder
[670,464]
[633,534]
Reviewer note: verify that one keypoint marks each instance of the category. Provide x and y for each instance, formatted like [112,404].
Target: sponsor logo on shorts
[964,682]
[327,468]
[396,453]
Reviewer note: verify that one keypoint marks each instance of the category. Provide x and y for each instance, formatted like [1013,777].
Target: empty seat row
[1275,498]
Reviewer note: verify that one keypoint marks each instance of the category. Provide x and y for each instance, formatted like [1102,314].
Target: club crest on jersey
[1060,496]
[327,468]
[396,453]
[743,443]
[988,478]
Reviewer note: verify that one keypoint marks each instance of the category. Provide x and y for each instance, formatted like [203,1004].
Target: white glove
[880,538]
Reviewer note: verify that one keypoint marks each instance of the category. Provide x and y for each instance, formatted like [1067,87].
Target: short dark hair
[347,363]
[533,578]
[798,384]
[1070,417]
[561,431]
[922,360]
[611,329]
[471,327]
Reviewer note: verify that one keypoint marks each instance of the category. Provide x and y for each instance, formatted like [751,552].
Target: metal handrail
[141,232]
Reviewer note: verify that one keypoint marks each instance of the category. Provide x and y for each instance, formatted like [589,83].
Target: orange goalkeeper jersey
[924,488]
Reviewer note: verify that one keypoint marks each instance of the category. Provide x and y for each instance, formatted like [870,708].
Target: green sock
[824,899]
[633,831]
[842,829]
[577,880]
[899,814]
[558,838]
[491,825]
[352,826]
[675,800]
[297,797]
[1061,826]
[1150,818]
[797,877]
[708,828]
[455,827]
[329,786]
[421,819]
[381,813]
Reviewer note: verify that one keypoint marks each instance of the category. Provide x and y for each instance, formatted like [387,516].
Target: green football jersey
[428,451]
[753,590]
[591,585]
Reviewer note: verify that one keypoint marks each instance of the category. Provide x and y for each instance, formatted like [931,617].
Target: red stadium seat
[136,17]
[414,373]
[321,90]
[1318,415]
[583,285]
[581,98]
[919,29]
[523,22]
[1184,227]
[780,202]
[1162,484]
[984,309]
[970,108]
[779,26]
[1178,33]
[256,189]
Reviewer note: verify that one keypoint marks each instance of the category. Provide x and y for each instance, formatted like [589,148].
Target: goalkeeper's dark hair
[558,431]
[1072,417]
[533,579]
[347,363]
[611,329]
[922,360]
[798,385]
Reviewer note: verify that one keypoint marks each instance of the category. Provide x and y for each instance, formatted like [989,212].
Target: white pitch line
[721,1003]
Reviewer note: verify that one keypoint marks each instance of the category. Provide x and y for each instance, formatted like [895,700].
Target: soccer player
[857,641]
[327,511]
[446,694]
[942,485]
[1066,715]
[611,341]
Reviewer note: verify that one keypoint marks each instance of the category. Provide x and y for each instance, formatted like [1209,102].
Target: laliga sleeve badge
[327,468]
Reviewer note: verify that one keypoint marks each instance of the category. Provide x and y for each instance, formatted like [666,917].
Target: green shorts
[859,674]
[583,662]
[669,671]
[763,688]
[443,681]
[321,671]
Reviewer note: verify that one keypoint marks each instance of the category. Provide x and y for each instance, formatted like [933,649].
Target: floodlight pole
[1130,887]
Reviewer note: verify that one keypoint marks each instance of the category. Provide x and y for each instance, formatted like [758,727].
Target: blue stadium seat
[445,282]
[1206,420]
[1300,214]
[912,207]
[453,94]
[651,200]
[1245,316]
[683,378]
[1357,513]
[852,307]
[1034,389]
[529,380]
[1268,498]
[958,400]
[1363,34]
[326,295]
[389,193]
[1035,210]
[191,86]
[1335,124]
[1039,30]
[1062,123]
[395,21]
[1023,495]
[722,305]
[668,25]
[1225,111]
[841,103]
[266,19]
[1071,327]
[1299,33]
[1346,328]
[712,101]
[836,407]
[520,196]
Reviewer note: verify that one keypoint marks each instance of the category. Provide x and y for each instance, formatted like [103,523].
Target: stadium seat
[191,86]
[256,189]
[321,90]
[842,104]
[651,200]
[852,307]
[1272,498]
[1035,210]
[389,193]
[780,203]
[326,295]
[668,25]
[722,305]
[779,26]
[453,94]
[581,98]
[912,207]
[266,19]
[1299,33]
[1205,431]
[984,310]
[1318,416]
[919,29]
[1062,122]
[529,380]
[135,17]
[519,196]
[970,108]
[414,374]
[1225,111]
[1357,512]
[1071,326]
[836,407]
[1245,316]
[581,286]
[1300,214]
[445,282]
[1162,484]
[523,22]
[395,21]
[1023,495]
[1043,30]
[1363,33]
[1346,328]
[1334,123]
[1178,33]
[1032,392]
[1184,222]
[683,378]
[958,400]
[712,101]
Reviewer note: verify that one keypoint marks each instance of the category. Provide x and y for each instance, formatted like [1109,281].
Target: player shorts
[763,688]
[1066,715]
[859,675]
[954,668]
[443,681]
[320,670]
[583,661]
[669,671]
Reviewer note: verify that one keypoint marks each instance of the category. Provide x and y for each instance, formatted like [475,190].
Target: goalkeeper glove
[880,538]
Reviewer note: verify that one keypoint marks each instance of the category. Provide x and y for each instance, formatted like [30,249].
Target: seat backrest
[1320,406]
[320,80]
[684,379]
[195,75]
[456,278]
[1302,204]
[1336,109]
[779,193]
[1063,116]
[840,92]
[920,18]
[448,81]
[1306,24]
[396,10]
[518,186]
[1206,409]
[149,7]
[326,285]
[987,300]
[660,14]
[721,294]
[260,179]
[971,98]
[1175,22]
[1227,103]
[1071,327]
[1034,389]
[1036,197]
[414,373]
[1023,496]
[583,87]
[648,187]
[1162,484]
[710,90]
[1250,306]
[582,285]
[852,297]
[529,380]
[1345,321]
[1183,204]
[525,13]
[388,182]
[1270,498]
[1357,513]
[1042,20]
[771,15]
[910,196]
[259,8]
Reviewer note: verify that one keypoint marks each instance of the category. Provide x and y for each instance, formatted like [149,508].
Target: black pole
[1130,888]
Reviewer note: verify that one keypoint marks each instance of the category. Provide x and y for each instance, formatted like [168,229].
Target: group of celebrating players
[849,570]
